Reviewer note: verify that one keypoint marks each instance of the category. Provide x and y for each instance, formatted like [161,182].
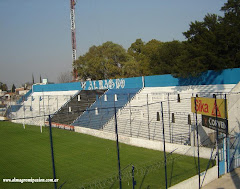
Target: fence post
[24,114]
[57,102]
[43,111]
[133,181]
[216,108]
[148,119]
[48,105]
[67,113]
[130,114]
[169,120]
[39,100]
[189,123]
[51,143]
[227,140]
[118,154]
[164,147]
[32,106]
[199,181]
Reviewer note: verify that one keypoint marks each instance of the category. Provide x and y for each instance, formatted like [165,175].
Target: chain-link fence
[160,121]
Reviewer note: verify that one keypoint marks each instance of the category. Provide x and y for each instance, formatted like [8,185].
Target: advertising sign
[212,123]
[207,106]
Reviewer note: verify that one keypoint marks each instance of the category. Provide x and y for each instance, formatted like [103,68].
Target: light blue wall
[124,83]
[57,87]
[228,76]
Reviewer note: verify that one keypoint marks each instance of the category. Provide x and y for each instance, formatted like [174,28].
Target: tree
[27,85]
[3,86]
[167,57]
[162,56]
[214,43]
[13,88]
[136,48]
[151,52]
[230,38]
[203,45]
[65,77]
[140,62]
[189,63]
[33,79]
[102,62]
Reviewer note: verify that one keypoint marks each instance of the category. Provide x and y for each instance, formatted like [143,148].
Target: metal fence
[165,117]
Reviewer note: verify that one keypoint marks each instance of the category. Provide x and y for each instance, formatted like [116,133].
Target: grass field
[83,161]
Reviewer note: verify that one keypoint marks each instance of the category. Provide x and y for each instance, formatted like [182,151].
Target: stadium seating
[76,106]
[102,111]
[139,117]
[36,108]
[138,110]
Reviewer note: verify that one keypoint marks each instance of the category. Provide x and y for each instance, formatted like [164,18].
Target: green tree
[3,86]
[140,62]
[13,88]
[162,57]
[203,45]
[33,79]
[230,38]
[135,50]
[131,68]
[151,52]
[212,44]
[168,55]
[189,63]
[102,62]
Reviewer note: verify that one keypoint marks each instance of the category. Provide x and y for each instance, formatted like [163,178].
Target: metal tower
[74,52]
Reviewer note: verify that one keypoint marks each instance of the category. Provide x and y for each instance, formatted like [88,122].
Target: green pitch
[84,161]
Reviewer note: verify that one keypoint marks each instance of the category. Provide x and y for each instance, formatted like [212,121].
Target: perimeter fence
[168,122]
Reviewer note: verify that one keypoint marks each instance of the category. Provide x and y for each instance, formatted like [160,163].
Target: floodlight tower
[74,51]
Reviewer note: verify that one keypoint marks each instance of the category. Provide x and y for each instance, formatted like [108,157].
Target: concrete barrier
[192,183]
[3,118]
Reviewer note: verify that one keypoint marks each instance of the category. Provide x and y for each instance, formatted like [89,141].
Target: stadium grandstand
[136,102]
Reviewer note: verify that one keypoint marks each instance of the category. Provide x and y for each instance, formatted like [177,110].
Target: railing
[182,138]
[24,98]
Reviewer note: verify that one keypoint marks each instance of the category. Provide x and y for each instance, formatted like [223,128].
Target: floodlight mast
[74,51]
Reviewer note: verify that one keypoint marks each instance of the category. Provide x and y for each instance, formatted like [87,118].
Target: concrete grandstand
[137,102]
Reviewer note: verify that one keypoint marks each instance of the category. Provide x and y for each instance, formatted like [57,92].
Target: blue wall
[228,76]
[24,97]
[124,83]
[57,87]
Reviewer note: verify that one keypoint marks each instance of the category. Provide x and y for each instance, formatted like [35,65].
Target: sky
[35,35]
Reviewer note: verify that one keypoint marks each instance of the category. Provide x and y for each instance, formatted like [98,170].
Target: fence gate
[234,152]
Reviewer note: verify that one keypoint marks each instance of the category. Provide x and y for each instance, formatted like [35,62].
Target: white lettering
[118,83]
[213,122]
[111,84]
[122,83]
[90,85]
[103,84]
[100,82]
[94,85]
[83,85]
[106,84]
